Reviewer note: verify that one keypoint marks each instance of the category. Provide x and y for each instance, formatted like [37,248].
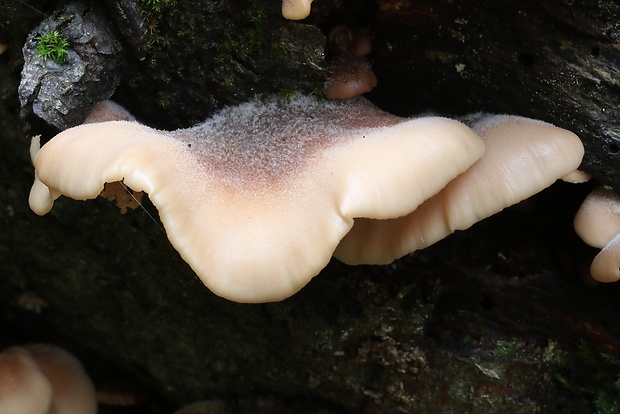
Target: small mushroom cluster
[259,197]
[44,379]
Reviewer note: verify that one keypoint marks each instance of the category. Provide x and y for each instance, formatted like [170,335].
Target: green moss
[595,376]
[505,350]
[53,46]
[155,6]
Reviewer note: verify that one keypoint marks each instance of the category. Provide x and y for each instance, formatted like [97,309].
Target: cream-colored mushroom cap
[606,265]
[72,389]
[598,219]
[23,387]
[108,111]
[597,222]
[522,157]
[257,198]
[349,75]
[296,9]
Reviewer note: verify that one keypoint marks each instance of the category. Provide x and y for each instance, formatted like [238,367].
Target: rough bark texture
[491,320]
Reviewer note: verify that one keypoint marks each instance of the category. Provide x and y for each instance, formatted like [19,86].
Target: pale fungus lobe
[598,219]
[349,75]
[296,9]
[597,222]
[257,198]
[24,389]
[108,111]
[73,391]
[522,157]
[44,379]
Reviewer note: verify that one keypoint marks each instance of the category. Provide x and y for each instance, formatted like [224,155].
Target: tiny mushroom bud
[523,156]
[23,387]
[296,9]
[577,177]
[235,192]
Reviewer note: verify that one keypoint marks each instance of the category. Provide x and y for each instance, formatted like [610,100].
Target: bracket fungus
[44,379]
[522,157]
[597,222]
[257,197]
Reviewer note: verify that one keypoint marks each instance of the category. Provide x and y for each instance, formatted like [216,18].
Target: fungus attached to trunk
[522,157]
[257,198]
[349,73]
[597,222]
[23,387]
[44,379]
[73,391]
[296,9]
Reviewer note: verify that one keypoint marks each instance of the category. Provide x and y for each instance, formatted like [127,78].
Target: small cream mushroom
[597,222]
[72,389]
[44,379]
[296,9]
[108,111]
[598,219]
[522,157]
[23,387]
[606,265]
[349,73]
[257,198]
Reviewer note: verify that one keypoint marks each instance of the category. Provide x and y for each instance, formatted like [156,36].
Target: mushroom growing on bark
[257,197]
[522,157]
[597,222]
[349,73]
[44,379]
[23,387]
[296,9]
